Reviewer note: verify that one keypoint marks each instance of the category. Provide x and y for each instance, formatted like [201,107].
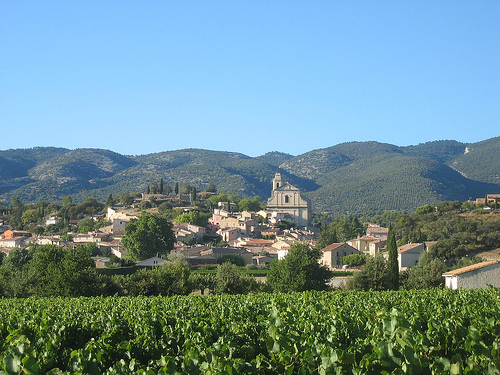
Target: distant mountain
[348,177]
[275,158]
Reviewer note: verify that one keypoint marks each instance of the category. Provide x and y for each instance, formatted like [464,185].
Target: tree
[354,260]
[193,194]
[67,201]
[148,236]
[86,225]
[172,278]
[237,260]
[211,188]
[298,271]
[228,279]
[373,275]
[427,273]
[110,201]
[392,263]
[168,189]
[161,186]
[250,204]
[176,188]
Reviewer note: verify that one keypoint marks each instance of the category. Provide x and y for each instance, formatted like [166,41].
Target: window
[287,199]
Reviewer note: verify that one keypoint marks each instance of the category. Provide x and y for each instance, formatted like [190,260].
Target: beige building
[330,255]
[286,198]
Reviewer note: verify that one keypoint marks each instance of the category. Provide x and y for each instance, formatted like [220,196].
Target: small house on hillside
[409,254]
[479,275]
[153,261]
[332,253]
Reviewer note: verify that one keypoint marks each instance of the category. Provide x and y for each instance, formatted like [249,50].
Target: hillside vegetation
[345,178]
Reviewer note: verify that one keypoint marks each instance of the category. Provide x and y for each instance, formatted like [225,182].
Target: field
[415,332]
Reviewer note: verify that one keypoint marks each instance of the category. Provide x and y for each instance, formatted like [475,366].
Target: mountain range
[345,178]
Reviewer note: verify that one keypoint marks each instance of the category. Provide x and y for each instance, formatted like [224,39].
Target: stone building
[286,198]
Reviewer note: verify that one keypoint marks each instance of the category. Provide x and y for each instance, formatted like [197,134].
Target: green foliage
[211,188]
[373,276]
[298,271]
[237,260]
[193,217]
[148,236]
[49,270]
[392,262]
[426,274]
[426,332]
[250,204]
[354,260]
[350,177]
[342,229]
[228,279]
[86,225]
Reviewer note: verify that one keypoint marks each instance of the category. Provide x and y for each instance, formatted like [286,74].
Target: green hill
[480,161]
[348,177]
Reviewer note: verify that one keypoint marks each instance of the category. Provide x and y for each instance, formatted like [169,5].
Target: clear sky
[138,77]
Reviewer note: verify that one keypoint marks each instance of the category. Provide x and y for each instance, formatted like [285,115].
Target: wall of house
[480,278]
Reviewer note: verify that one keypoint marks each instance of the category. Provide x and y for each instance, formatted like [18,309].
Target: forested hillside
[348,177]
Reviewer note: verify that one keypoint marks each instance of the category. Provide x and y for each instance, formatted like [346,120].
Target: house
[332,253]
[409,254]
[53,220]
[119,225]
[491,199]
[101,262]
[368,244]
[479,275]
[10,234]
[13,242]
[244,227]
[229,234]
[221,251]
[153,261]
[377,231]
[281,245]
[261,259]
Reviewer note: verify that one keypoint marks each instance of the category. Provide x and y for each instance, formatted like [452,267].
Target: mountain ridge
[347,177]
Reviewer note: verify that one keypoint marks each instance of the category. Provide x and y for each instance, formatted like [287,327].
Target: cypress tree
[392,263]
[193,194]
[161,185]
[176,188]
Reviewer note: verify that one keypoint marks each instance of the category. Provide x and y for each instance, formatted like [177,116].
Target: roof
[409,247]
[470,268]
[258,242]
[333,246]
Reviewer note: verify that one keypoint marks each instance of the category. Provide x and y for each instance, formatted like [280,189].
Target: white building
[479,275]
[286,199]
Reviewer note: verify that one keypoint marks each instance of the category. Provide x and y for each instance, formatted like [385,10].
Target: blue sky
[138,77]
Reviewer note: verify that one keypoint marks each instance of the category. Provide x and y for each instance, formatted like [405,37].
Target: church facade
[286,198]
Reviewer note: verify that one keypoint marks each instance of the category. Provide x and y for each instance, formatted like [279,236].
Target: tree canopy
[298,271]
[148,236]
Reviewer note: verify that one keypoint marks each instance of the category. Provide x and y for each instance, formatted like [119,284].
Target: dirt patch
[490,255]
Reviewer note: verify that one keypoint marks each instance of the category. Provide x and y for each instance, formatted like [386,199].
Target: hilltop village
[250,232]
[257,237]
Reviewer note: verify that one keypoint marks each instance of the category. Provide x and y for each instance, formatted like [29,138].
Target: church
[287,199]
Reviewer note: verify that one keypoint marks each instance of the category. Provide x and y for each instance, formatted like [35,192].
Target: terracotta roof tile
[472,267]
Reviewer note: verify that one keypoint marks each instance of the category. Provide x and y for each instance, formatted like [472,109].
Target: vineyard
[406,332]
